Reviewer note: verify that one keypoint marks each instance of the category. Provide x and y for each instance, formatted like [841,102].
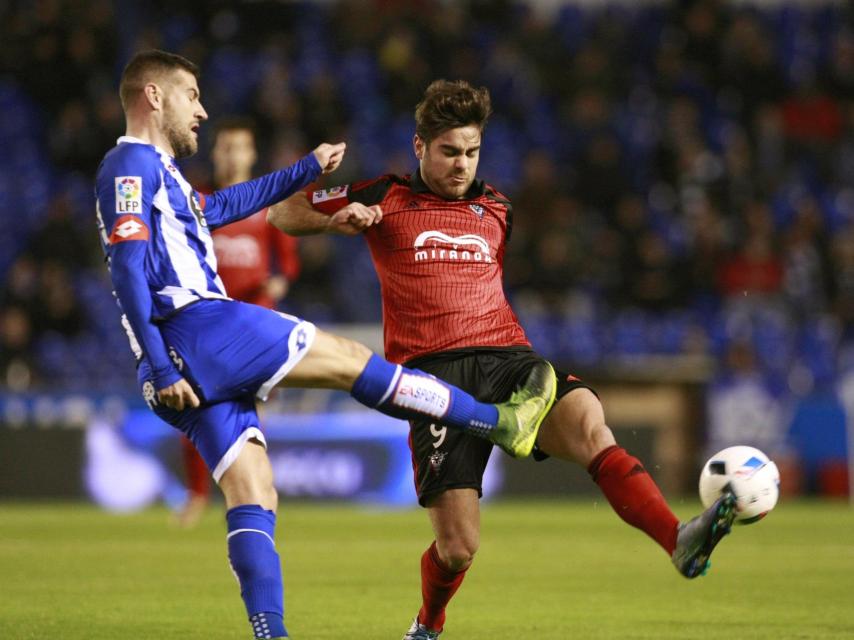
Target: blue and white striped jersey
[156,234]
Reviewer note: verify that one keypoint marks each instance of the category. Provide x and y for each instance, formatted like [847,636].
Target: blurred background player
[257,264]
[203,359]
[437,238]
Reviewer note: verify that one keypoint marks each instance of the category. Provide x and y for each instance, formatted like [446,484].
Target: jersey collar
[417,185]
[133,140]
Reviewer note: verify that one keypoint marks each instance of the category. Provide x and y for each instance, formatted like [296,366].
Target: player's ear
[153,95]
[418,145]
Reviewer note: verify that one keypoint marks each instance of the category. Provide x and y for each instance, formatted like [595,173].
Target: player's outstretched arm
[295,216]
[243,199]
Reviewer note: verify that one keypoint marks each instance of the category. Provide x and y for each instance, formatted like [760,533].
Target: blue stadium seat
[629,333]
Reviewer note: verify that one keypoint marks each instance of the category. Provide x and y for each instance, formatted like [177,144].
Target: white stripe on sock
[391,387]
[264,533]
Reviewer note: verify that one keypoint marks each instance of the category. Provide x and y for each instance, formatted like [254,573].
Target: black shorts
[445,458]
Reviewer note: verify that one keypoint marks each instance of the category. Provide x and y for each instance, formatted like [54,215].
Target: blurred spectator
[752,72]
[805,261]
[709,237]
[842,280]
[56,305]
[257,264]
[21,286]
[810,116]
[837,76]
[755,268]
[62,241]
[654,278]
[16,365]
[600,176]
[743,407]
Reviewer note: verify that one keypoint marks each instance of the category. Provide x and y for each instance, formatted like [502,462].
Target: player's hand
[355,218]
[329,156]
[178,396]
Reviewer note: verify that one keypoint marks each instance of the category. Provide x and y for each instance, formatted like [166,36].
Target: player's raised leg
[576,430]
[251,502]
[254,349]
[339,363]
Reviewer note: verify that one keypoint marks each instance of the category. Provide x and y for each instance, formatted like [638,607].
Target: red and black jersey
[439,262]
[245,253]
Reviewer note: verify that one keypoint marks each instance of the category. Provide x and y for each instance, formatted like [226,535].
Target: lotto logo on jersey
[325,195]
[128,228]
[129,194]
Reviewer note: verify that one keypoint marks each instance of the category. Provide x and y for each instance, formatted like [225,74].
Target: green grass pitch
[546,570]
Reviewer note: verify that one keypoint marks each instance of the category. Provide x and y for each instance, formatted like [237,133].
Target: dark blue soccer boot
[698,537]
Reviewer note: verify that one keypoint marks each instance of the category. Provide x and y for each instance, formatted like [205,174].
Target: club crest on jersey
[477,209]
[149,394]
[436,460]
[128,227]
[329,194]
[436,245]
[197,209]
[129,194]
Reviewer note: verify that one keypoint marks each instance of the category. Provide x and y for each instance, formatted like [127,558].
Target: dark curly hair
[448,105]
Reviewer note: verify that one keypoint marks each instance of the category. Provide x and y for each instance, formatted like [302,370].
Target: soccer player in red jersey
[257,264]
[437,239]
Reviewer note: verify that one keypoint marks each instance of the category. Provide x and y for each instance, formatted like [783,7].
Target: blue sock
[411,394]
[254,560]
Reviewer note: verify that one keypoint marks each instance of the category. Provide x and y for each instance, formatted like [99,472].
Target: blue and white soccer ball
[749,474]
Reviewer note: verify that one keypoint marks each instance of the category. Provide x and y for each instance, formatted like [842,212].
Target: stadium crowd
[682,173]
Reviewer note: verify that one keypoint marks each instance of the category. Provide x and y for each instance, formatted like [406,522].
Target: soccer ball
[749,474]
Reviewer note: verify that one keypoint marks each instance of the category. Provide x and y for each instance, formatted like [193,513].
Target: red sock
[198,481]
[634,495]
[438,585]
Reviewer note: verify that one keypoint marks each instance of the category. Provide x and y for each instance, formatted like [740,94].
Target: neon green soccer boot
[519,418]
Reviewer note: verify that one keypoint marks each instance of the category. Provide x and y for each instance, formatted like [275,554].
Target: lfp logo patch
[129,194]
[329,194]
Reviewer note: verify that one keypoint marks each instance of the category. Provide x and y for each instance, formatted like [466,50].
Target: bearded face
[180,133]
[182,113]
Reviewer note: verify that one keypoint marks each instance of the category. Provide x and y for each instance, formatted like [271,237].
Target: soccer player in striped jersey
[204,358]
[256,263]
[437,238]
